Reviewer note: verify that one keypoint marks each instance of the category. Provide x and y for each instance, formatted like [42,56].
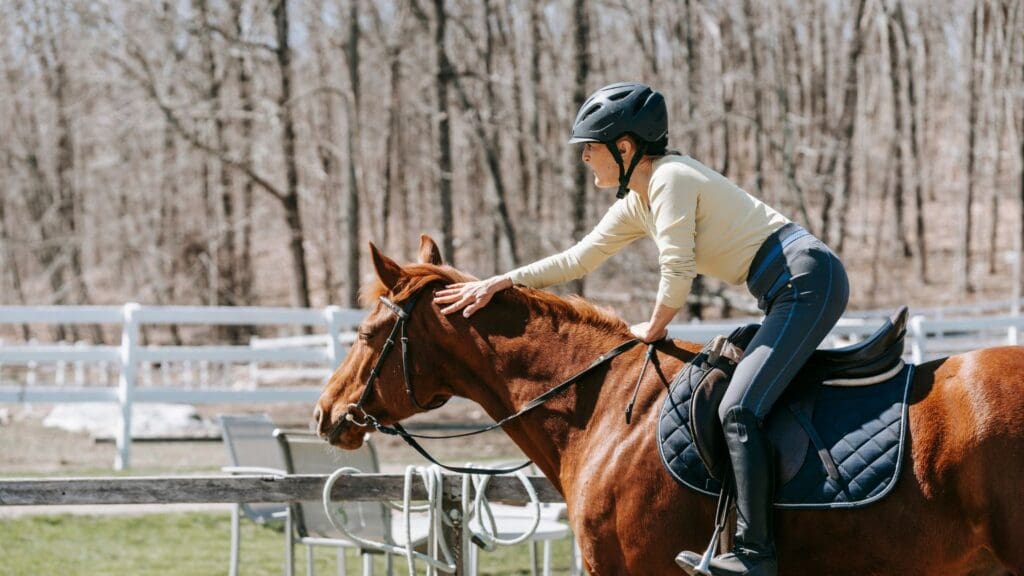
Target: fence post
[917,339]
[333,316]
[126,385]
[451,505]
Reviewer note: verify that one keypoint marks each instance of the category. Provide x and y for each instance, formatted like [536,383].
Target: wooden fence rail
[265,489]
[244,488]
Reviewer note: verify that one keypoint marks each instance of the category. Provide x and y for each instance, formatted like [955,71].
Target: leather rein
[366,420]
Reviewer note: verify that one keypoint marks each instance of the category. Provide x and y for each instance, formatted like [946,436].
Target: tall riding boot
[752,459]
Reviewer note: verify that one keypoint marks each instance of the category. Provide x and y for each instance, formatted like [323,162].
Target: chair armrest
[252,470]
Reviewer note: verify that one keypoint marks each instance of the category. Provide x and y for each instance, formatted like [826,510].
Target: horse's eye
[364,335]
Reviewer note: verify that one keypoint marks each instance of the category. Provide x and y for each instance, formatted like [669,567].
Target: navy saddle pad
[862,427]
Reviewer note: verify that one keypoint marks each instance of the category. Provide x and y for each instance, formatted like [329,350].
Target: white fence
[131,357]
[259,371]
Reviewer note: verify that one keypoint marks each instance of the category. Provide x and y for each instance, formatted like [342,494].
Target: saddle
[842,401]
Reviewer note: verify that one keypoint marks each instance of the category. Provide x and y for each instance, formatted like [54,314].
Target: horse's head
[374,382]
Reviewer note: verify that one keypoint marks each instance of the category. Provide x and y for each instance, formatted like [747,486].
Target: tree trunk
[393,184]
[755,72]
[692,74]
[788,160]
[535,97]
[848,124]
[915,156]
[581,37]
[290,198]
[67,226]
[965,284]
[491,145]
[445,74]
[899,163]
[8,260]
[245,273]
[354,198]
[523,137]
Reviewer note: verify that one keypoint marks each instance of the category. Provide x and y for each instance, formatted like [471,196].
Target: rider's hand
[643,332]
[470,296]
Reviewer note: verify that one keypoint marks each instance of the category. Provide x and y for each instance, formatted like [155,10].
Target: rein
[402,313]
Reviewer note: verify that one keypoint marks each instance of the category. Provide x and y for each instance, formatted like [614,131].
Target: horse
[956,509]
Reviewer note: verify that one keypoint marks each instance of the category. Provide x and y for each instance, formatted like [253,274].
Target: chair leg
[342,567]
[389,564]
[533,558]
[235,517]
[367,564]
[289,546]
[575,568]
[309,560]
[547,558]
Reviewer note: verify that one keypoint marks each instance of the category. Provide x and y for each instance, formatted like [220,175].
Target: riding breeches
[802,288]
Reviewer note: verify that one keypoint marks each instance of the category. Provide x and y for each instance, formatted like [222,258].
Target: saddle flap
[710,372]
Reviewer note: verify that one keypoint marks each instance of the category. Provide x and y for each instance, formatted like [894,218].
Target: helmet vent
[619,95]
[639,103]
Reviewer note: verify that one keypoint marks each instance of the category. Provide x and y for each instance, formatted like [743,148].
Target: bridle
[402,313]
[366,420]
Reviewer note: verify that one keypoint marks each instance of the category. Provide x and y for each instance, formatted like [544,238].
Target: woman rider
[702,224]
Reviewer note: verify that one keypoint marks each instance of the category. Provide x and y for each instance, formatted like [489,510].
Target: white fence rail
[133,360]
[145,373]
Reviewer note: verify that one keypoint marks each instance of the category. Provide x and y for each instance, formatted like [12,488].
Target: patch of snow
[149,420]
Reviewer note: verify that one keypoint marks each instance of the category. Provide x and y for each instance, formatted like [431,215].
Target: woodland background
[243,152]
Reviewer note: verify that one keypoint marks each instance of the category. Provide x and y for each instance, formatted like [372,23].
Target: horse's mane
[417,276]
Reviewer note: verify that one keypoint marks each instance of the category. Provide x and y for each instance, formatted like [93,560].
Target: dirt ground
[27,448]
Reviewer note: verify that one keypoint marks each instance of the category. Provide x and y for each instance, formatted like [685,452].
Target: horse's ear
[387,269]
[429,252]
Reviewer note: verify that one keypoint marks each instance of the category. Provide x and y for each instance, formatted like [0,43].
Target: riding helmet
[618,109]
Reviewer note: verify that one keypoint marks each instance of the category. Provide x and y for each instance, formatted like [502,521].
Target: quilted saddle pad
[864,429]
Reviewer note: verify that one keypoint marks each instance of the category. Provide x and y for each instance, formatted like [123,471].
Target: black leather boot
[752,459]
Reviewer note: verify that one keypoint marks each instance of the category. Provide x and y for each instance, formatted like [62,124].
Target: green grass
[187,544]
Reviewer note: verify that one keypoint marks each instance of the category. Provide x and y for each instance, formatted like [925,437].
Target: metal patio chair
[305,453]
[252,449]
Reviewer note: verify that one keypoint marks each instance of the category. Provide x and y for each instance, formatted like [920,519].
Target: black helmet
[619,109]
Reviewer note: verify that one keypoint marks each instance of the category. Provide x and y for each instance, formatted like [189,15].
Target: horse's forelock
[415,278]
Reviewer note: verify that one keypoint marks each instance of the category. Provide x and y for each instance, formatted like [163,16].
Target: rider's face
[599,159]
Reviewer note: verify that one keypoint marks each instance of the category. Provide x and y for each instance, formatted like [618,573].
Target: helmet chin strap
[625,174]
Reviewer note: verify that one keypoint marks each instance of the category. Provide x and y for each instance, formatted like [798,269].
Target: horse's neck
[526,367]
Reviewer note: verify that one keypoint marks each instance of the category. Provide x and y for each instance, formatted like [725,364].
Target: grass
[188,544]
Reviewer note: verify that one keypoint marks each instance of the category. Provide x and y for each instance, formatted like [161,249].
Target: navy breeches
[802,288]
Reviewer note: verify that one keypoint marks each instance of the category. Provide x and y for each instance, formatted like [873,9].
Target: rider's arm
[619,226]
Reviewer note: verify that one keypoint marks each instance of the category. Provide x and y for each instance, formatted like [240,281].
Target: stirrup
[725,499]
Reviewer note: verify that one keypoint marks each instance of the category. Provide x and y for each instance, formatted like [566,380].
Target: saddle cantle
[838,429]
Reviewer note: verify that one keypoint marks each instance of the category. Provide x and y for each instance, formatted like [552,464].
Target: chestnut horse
[957,508]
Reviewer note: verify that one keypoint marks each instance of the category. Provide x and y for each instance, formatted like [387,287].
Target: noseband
[367,420]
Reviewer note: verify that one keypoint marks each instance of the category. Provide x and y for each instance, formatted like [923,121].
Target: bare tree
[353,116]
[914,160]
[581,37]
[965,283]
[895,74]
[845,129]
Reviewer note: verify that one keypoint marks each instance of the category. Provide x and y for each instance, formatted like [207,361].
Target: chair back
[249,439]
[305,453]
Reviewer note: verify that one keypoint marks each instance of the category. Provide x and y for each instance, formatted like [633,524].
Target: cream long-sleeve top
[701,222]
